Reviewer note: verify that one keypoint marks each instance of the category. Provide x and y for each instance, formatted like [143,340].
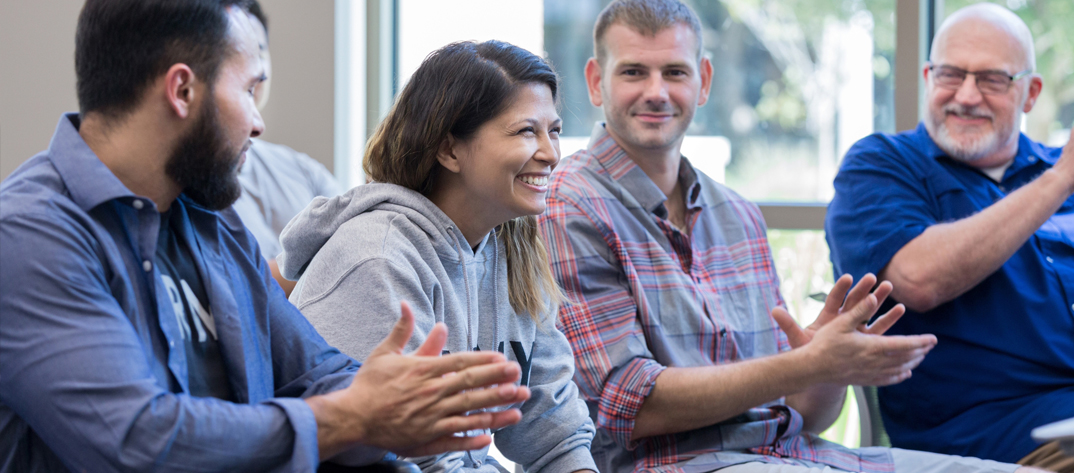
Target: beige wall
[300,112]
[37,75]
[37,78]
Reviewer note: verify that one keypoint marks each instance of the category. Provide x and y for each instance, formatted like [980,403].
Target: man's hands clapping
[415,404]
[844,349]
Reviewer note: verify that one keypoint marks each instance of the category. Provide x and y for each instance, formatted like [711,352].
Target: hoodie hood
[311,229]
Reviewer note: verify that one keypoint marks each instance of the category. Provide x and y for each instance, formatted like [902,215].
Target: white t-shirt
[996,173]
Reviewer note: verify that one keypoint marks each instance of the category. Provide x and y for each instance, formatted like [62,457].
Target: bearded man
[973,223]
[141,329]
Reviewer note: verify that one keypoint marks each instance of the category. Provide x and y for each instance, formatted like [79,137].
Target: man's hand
[1064,167]
[834,306]
[848,351]
[415,404]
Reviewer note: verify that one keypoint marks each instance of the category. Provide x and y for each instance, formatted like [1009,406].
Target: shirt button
[1049,258]
[147,265]
[138,204]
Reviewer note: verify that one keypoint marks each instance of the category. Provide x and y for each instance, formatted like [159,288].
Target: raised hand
[415,404]
[834,305]
[845,350]
[1065,165]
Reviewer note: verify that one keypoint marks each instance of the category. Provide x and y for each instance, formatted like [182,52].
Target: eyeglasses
[988,82]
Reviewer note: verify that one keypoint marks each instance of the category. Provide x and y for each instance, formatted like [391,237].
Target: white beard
[968,149]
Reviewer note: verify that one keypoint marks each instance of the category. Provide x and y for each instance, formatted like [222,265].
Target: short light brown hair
[647,17]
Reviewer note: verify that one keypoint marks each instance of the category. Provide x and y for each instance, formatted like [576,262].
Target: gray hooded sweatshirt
[356,256]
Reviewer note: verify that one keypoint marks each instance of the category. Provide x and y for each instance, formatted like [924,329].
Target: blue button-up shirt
[93,371]
[1005,359]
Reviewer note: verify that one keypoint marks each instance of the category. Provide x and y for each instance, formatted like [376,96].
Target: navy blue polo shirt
[1004,363]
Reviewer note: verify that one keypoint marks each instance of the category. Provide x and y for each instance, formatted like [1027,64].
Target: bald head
[974,124]
[987,25]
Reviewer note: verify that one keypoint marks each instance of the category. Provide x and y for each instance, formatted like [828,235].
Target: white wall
[37,76]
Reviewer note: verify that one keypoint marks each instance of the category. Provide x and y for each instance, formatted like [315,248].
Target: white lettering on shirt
[198,313]
[203,319]
[177,306]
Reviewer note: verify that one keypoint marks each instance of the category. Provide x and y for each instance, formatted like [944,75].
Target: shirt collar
[1029,153]
[624,171]
[88,180]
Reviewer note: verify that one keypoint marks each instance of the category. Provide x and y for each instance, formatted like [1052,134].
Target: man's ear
[179,88]
[593,75]
[1035,86]
[446,154]
[706,80]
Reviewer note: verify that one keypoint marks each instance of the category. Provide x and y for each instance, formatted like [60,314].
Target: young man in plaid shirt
[683,353]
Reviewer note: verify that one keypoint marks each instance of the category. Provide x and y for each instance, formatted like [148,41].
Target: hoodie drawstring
[496,293]
[466,281]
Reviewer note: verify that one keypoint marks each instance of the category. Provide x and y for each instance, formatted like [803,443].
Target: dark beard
[204,165]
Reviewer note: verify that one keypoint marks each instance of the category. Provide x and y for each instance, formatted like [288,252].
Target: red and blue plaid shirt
[642,295]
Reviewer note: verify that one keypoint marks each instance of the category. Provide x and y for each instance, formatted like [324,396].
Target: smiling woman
[462,164]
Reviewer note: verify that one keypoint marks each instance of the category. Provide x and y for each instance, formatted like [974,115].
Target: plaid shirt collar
[626,172]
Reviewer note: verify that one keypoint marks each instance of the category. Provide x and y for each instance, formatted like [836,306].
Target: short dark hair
[647,17]
[121,46]
[255,9]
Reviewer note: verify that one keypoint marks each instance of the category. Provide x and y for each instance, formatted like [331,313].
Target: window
[425,26]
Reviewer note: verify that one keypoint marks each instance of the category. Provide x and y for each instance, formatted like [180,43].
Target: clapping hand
[416,404]
[849,351]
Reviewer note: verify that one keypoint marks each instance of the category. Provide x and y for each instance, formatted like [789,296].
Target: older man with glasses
[973,223]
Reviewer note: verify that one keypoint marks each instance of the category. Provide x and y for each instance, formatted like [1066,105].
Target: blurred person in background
[277,181]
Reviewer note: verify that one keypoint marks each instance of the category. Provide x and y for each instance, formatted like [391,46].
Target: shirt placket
[693,268]
[148,222]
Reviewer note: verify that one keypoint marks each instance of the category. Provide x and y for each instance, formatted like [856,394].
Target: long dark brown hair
[457,89]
